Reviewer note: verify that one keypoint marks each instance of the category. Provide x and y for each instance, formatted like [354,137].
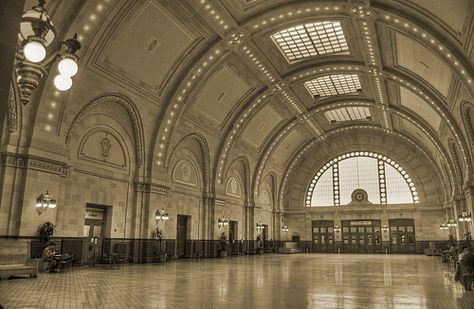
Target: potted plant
[259,244]
[467,238]
[159,235]
[45,231]
[223,245]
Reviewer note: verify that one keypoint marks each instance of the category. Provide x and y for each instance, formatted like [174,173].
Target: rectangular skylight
[347,114]
[313,39]
[333,85]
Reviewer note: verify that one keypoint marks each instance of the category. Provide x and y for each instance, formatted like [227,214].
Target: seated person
[466,264]
[48,255]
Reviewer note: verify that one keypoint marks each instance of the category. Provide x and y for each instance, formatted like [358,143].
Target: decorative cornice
[35,163]
[147,187]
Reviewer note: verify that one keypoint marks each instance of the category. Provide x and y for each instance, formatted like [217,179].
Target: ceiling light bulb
[34,51]
[62,82]
[68,67]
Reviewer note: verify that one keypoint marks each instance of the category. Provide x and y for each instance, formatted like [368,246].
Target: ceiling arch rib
[289,173]
[303,117]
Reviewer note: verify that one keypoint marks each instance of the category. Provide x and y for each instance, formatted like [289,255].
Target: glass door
[402,235]
[323,236]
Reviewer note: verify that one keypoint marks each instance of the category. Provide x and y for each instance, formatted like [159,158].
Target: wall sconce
[385,228]
[260,226]
[222,222]
[284,228]
[337,229]
[37,32]
[443,226]
[44,202]
[465,217]
[161,215]
[451,223]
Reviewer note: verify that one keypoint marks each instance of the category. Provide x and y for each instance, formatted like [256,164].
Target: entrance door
[323,235]
[402,235]
[181,236]
[233,241]
[94,224]
[361,236]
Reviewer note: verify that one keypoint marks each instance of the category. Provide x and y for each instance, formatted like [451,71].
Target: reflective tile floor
[268,281]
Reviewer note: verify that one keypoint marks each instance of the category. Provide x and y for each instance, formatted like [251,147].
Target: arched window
[384,180]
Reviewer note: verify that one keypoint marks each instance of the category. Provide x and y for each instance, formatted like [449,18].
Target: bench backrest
[14,251]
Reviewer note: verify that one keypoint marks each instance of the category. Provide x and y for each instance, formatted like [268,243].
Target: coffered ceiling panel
[418,135]
[288,146]
[146,46]
[261,125]
[421,61]
[220,94]
[452,12]
[419,106]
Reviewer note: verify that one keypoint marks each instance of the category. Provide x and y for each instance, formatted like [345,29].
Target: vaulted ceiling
[274,80]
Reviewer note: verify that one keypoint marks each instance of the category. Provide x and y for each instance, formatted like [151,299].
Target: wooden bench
[14,259]
[290,247]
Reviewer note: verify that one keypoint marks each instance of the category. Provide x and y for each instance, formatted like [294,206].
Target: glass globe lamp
[62,82]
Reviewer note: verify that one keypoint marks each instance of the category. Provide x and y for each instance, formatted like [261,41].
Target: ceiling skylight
[333,85]
[313,39]
[348,113]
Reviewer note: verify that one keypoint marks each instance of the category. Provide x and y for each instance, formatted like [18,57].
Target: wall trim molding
[36,163]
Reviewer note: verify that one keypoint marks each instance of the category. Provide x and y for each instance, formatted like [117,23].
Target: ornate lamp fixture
[260,226]
[443,226]
[44,202]
[36,34]
[161,215]
[337,229]
[222,222]
[465,217]
[451,223]
[385,228]
[284,228]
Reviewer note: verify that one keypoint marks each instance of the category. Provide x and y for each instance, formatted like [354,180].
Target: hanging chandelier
[443,226]
[260,226]
[284,228]
[37,32]
[451,223]
[44,202]
[465,217]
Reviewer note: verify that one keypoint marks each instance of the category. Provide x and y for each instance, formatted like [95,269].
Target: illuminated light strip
[263,162]
[298,157]
[435,45]
[292,13]
[211,10]
[232,137]
[179,100]
[270,149]
[426,98]
[82,35]
[259,64]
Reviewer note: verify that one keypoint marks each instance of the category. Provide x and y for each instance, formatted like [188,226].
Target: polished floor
[268,281]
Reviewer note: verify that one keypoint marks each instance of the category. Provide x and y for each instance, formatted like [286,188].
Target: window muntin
[385,181]
[311,39]
[348,114]
[329,85]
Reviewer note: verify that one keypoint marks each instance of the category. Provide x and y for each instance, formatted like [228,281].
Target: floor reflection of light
[387,273]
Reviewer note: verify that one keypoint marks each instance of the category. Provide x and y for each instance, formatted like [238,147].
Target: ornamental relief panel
[185,173]
[233,187]
[103,148]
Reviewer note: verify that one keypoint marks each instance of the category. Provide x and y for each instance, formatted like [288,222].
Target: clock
[359,197]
